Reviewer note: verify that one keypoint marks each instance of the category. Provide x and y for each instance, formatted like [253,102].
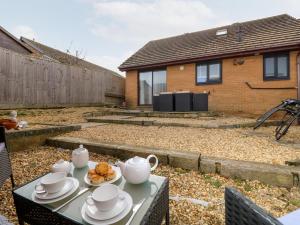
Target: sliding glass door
[145,88]
[151,83]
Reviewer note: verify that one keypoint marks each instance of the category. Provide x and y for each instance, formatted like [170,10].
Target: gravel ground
[60,116]
[239,144]
[278,201]
[205,121]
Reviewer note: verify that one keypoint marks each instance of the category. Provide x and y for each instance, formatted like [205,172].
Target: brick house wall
[232,94]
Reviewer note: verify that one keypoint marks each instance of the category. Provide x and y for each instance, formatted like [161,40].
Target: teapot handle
[156,161]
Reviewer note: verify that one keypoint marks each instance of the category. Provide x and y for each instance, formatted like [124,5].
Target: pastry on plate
[102,168]
[91,173]
[111,174]
[102,172]
[97,179]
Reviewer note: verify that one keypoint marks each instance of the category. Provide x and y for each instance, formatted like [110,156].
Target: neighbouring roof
[15,40]
[62,57]
[268,33]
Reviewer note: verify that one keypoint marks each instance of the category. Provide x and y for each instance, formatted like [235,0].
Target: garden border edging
[174,124]
[277,175]
[21,139]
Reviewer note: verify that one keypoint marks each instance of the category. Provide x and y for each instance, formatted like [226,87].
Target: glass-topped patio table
[154,208]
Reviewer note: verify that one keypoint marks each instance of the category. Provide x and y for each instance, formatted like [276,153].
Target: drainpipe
[298,75]
[298,80]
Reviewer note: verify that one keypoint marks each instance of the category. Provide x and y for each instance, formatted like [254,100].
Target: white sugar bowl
[61,166]
[80,157]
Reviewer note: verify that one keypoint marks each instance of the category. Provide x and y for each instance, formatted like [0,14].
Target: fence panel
[29,82]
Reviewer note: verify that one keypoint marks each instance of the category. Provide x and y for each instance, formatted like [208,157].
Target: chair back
[240,210]
[5,166]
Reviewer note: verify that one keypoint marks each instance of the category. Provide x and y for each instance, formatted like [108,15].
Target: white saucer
[118,176]
[48,201]
[67,187]
[90,220]
[93,212]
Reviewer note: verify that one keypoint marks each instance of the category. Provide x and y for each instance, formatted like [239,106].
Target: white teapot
[80,157]
[61,166]
[137,170]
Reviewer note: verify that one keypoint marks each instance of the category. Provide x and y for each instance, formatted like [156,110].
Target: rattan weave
[239,210]
[5,167]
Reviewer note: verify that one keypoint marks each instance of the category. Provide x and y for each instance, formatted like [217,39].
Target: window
[221,32]
[209,73]
[151,83]
[276,66]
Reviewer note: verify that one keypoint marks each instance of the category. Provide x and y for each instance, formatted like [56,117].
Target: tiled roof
[267,33]
[64,58]
[15,39]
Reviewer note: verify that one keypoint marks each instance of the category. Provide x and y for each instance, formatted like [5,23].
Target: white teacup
[51,183]
[104,197]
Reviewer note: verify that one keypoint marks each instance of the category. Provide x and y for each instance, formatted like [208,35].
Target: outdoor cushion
[4,221]
[292,218]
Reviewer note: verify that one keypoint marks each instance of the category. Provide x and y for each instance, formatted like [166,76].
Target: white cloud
[25,31]
[109,61]
[140,21]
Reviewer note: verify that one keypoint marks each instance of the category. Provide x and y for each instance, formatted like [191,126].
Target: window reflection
[151,83]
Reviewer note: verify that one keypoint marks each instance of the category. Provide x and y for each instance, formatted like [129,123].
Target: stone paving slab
[89,124]
[277,175]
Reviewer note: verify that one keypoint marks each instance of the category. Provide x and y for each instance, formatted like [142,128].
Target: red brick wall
[131,88]
[232,94]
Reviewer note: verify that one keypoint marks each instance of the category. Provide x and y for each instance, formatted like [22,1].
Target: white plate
[48,201]
[67,187]
[93,212]
[118,175]
[115,219]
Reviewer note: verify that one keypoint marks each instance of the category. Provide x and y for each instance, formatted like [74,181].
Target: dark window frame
[207,63]
[138,83]
[276,56]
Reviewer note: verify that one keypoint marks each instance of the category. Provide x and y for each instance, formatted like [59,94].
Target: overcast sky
[107,32]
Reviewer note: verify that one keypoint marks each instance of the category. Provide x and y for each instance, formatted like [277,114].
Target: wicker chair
[5,168]
[239,210]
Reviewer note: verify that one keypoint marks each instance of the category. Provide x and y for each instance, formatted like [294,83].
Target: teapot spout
[122,166]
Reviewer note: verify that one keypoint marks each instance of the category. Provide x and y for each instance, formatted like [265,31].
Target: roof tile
[271,32]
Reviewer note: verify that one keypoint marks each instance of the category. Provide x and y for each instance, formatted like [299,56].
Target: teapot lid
[81,148]
[136,160]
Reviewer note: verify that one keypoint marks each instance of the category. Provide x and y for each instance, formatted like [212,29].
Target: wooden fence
[29,82]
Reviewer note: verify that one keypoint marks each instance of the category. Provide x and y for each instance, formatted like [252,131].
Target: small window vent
[221,32]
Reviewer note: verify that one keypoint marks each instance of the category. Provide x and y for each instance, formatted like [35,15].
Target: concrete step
[154,122]
[141,113]
[277,175]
